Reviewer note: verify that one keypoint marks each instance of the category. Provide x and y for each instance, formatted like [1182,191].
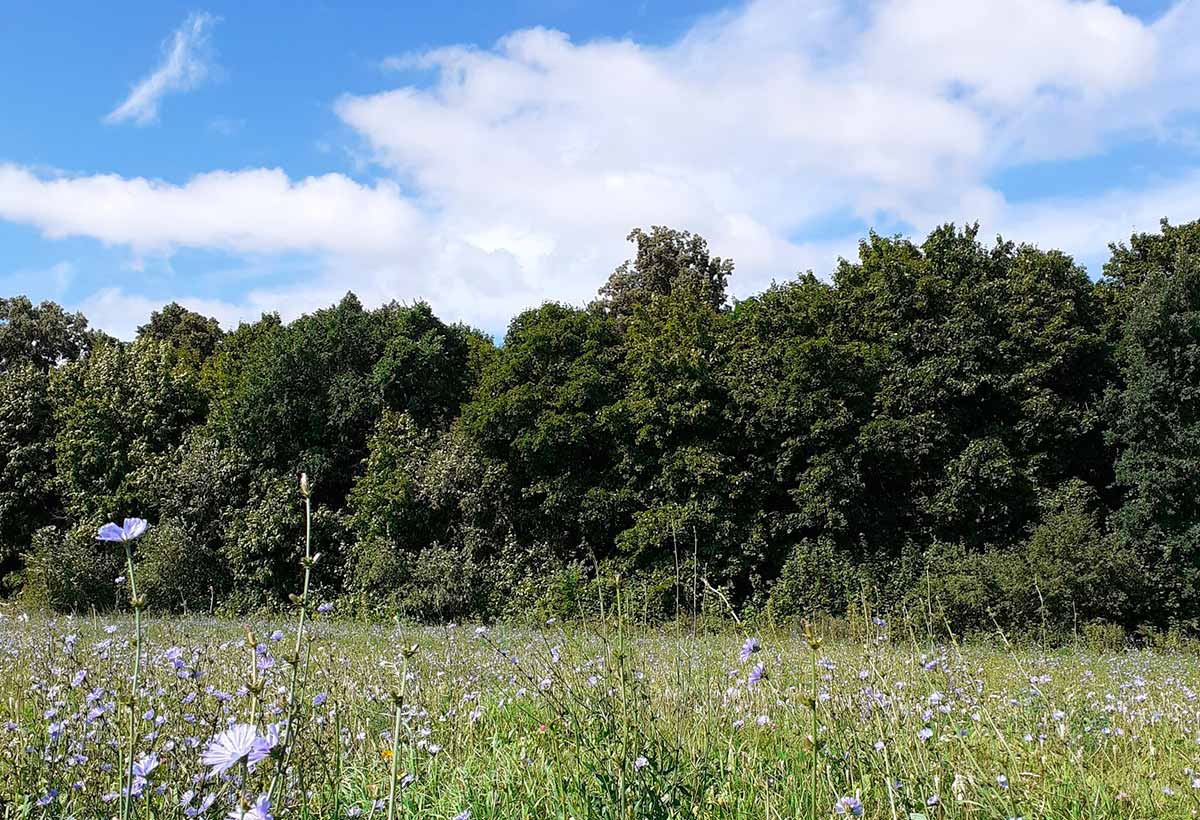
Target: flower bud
[304,490]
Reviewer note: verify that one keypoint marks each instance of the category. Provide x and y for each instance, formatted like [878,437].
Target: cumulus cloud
[185,64]
[509,175]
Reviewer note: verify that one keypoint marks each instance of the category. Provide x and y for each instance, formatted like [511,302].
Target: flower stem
[396,740]
[291,699]
[127,797]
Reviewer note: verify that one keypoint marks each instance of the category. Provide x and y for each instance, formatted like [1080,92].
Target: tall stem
[813,695]
[291,699]
[127,797]
[396,739]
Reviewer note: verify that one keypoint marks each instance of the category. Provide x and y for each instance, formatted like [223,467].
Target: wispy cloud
[184,66]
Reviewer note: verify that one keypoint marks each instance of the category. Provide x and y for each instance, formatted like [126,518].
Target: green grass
[495,725]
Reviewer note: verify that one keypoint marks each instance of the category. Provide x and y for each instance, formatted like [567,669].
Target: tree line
[979,432]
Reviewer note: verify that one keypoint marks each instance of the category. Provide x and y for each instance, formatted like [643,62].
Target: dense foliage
[977,432]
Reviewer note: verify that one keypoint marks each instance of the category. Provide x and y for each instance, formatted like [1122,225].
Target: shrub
[1069,572]
[817,577]
[70,572]
[177,574]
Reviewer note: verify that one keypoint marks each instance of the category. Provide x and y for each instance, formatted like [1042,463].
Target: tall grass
[603,720]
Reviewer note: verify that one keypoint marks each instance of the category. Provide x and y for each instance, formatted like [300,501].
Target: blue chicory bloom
[239,742]
[749,648]
[260,809]
[849,806]
[132,529]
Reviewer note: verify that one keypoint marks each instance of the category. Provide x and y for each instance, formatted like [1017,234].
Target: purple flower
[132,529]
[756,674]
[204,806]
[325,607]
[849,805]
[749,648]
[465,814]
[260,809]
[144,765]
[237,743]
[640,763]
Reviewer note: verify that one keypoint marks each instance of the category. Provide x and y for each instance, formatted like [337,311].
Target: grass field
[583,721]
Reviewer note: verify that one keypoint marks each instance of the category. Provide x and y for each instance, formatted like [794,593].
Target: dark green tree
[28,500]
[1157,435]
[546,409]
[188,331]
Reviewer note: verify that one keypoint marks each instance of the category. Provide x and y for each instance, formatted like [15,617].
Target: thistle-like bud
[814,642]
[304,489]
[409,651]
[138,601]
[397,698]
[250,642]
[294,598]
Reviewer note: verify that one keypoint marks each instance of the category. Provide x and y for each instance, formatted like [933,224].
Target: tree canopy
[974,430]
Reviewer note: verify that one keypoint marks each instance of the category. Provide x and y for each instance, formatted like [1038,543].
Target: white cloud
[184,66]
[255,211]
[515,174]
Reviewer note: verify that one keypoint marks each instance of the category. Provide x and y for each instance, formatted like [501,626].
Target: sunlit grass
[645,723]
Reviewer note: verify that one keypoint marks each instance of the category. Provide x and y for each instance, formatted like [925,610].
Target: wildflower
[749,648]
[237,743]
[756,674]
[325,607]
[319,699]
[132,529]
[640,763]
[47,798]
[849,806]
[1002,781]
[260,809]
[465,814]
[142,767]
[925,733]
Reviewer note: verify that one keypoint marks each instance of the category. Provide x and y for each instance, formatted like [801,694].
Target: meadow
[603,720]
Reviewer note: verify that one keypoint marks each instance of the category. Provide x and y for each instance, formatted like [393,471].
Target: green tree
[546,410]
[120,416]
[666,261]
[1157,433]
[188,331]
[40,336]
[306,396]
[28,500]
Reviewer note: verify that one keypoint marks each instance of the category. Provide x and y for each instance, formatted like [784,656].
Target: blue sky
[271,156]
